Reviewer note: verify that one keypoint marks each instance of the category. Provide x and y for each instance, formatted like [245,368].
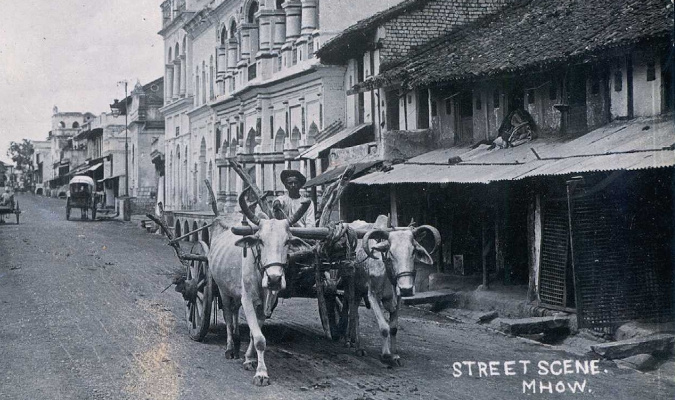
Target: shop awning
[333,174]
[84,169]
[339,138]
[637,144]
[94,167]
[111,177]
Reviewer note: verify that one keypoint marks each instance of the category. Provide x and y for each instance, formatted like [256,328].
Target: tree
[22,155]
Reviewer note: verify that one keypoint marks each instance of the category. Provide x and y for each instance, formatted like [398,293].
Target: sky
[71,54]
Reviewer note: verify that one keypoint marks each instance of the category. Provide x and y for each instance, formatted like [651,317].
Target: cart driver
[290,202]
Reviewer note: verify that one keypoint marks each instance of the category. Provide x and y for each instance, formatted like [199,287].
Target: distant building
[65,153]
[41,159]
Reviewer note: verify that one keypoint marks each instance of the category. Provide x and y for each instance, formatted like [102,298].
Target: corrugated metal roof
[624,145]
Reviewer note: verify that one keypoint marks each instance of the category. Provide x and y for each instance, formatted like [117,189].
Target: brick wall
[145,201]
[432,21]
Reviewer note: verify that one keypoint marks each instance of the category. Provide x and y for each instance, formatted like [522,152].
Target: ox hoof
[261,380]
[229,354]
[392,361]
[360,352]
[250,365]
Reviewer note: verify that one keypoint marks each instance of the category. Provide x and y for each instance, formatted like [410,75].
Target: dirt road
[82,316]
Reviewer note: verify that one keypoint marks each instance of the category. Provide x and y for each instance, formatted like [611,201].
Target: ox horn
[434,232]
[374,234]
[247,211]
[301,211]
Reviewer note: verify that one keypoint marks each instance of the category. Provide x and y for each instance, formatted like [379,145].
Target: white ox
[251,279]
[384,277]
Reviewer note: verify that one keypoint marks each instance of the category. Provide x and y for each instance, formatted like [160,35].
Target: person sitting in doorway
[286,205]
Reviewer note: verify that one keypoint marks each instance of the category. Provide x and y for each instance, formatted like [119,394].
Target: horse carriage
[324,267]
[81,194]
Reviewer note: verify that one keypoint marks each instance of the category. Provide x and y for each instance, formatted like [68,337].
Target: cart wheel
[68,209]
[332,310]
[337,308]
[199,293]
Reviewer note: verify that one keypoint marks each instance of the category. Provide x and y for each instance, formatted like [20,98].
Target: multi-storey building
[242,83]
[65,153]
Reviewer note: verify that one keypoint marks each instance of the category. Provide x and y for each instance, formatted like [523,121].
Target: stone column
[176,78]
[278,29]
[232,54]
[293,10]
[309,20]
[169,82]
[246,37]
[265,31]
[183,77]
[222,59]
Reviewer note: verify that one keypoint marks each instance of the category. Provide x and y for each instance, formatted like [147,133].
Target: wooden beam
[248,181]
[393,206]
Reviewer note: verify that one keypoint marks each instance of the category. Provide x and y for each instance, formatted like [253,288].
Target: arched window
[195,236]
[250,141]
[252,10]
[223,36]
[202,168]
[176,179]
[295,137]
[76,125]
[203,82]
[211,94]
[62,124]
[176,54]
[184,44]
[311,134]
[169,173]
[197,86]
[279,139]
[195,183]
[209,175]
[178,232]
[233,29]
[170,58]
[218,140]
[205,234]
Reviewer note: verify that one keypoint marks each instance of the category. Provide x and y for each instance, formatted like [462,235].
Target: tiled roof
[532,34]
[360,31]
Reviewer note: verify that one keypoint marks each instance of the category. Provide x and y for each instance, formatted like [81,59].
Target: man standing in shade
[289,203]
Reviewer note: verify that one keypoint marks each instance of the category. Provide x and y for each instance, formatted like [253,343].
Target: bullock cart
[323,270]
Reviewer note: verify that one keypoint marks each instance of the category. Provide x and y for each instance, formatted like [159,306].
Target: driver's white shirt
[290,206]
